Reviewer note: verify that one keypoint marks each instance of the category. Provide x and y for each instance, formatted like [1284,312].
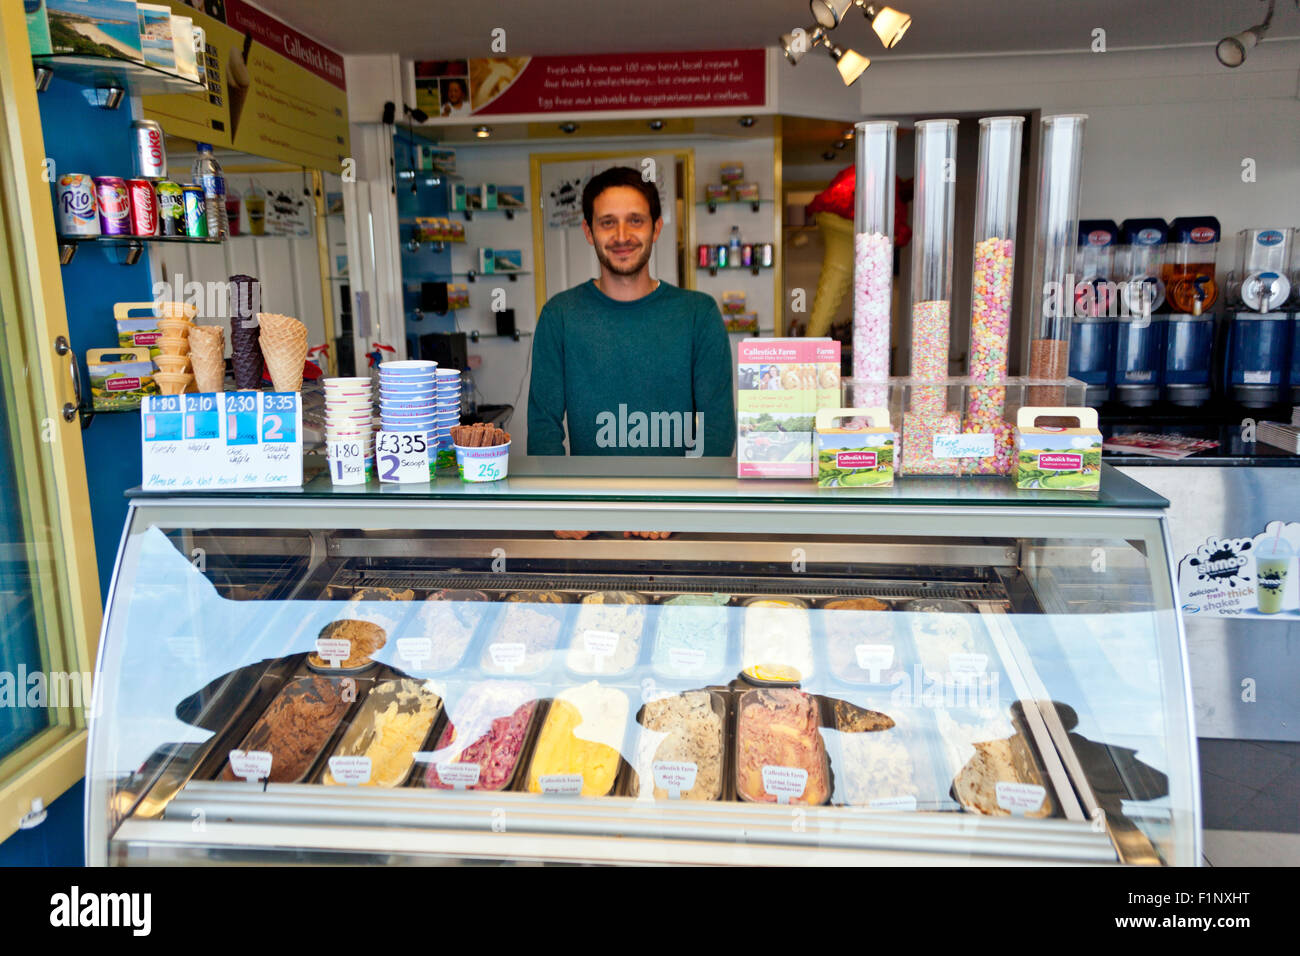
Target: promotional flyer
[1244,577]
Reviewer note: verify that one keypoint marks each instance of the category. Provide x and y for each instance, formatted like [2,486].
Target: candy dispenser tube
[1055,243]
[873,248]
[933,206]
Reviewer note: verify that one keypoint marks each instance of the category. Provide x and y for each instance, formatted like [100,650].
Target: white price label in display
[402,457]
[347,460]
[415,650]
[875,658]
[687,660]
[250,764]
[600,643]
[973,445]
[1258,378]
[784,783]
[968,665]
[459,776]
[561,784]
[507,655]
[892,803]
[350,770]
[674,776]
[1020,798]
[333,650]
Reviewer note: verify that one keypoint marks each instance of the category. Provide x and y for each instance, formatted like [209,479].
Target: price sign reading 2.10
[202,417]
[279,417]
[402,457]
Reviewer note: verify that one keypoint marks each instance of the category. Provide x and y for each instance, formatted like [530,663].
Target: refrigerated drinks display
[950,676]
[1096,295]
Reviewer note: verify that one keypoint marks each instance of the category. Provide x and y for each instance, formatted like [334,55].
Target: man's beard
[628,270]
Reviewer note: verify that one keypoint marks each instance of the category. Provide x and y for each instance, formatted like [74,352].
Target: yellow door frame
[53,472]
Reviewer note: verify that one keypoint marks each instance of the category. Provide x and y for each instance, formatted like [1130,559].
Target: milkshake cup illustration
[255,206]
[1272,562]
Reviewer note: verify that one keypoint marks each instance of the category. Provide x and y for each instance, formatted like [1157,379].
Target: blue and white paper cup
[483,464]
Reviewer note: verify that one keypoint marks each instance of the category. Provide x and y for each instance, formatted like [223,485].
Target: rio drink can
[144,207]
[114,206]
[171,209]
[78,210]
[150,151]
[196,214]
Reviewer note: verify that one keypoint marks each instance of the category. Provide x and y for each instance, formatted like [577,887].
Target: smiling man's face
[621,230]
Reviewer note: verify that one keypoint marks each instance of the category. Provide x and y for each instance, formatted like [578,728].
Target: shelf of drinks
[753,204]
[733,270]
[103,72]
[131,246]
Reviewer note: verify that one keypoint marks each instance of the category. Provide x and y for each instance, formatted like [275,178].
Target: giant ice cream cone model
[208,357]
[284,347]
[837,271]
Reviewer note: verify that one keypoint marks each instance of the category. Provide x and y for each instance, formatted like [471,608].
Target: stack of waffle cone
[175,323]
[284,348]
[208,357]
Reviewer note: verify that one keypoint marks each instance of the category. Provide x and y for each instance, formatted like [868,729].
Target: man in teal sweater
[637,366]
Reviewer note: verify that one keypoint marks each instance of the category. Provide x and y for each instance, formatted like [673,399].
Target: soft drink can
[765,255]
[703,254]
[150,150]
[721,258]
[171,209]
[196,214]
[144,207]
[78,211]
[114,206]
[746,255]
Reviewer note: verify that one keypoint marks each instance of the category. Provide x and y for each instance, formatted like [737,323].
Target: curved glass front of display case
[294,681]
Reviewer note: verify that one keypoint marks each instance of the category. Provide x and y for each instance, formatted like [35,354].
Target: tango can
[78,211]
[114,206]
[144,207]
[171,209]
[196,214]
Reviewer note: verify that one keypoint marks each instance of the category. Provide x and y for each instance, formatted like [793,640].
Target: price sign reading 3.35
[280,417]
[402,457]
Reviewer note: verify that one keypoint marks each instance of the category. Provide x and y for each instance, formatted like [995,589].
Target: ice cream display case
[945,671]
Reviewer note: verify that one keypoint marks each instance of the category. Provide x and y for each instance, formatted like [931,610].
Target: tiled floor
[1250,802]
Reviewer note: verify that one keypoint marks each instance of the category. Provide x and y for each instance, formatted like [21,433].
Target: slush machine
[1092,330]
[1259,334]
[1140,325]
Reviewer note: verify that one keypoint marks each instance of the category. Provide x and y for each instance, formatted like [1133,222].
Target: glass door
[49,593]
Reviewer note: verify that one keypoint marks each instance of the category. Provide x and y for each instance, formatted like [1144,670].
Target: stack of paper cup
[349,414]
[448,406]
[406,397]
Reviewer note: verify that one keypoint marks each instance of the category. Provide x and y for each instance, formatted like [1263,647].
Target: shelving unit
[132,246]
[712,204]
[112,79]
[509,212]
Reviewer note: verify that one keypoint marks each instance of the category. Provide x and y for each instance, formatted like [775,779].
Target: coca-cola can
[150,150]
[144,207]
[114,205]
[78,211]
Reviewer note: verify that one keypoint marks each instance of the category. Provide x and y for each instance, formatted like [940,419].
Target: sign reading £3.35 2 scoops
[271,91]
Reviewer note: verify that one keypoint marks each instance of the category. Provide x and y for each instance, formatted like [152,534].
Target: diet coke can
[171,209]
[150,151]
[78,211]
[114,206]
[144,207]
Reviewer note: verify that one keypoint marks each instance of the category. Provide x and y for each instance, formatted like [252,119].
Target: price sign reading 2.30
[280,417]
[241,418]
[402,457]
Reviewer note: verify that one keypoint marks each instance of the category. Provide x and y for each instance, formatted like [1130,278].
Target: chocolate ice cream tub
[772,765]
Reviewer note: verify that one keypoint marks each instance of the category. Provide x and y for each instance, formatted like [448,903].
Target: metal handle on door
[61,347]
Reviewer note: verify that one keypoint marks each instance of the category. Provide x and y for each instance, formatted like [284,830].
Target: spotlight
[828,155]
[829,13]
[656,125]
[799,41]
[889,24]
[417,114]
[746,121]
[1232,50]
[482,132]
[568,128]
[850,63]
[841,143]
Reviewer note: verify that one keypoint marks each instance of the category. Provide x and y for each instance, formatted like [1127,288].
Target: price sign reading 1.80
[402,457]
[280,417]
[241,418]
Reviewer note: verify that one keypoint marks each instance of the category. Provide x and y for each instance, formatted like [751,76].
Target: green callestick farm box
[1060,458]
[859,454]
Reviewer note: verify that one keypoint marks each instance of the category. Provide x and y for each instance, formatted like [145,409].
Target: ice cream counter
[942,672]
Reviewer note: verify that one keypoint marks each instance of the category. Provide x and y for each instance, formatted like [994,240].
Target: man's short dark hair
[619,176]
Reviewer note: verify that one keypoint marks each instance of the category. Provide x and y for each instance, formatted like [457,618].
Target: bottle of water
[733,253]
[207,173]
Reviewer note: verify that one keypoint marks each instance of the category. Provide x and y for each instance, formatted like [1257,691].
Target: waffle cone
[284,347]
[208,357]
[172,363]
[172,383]
[171,344]
[175,326]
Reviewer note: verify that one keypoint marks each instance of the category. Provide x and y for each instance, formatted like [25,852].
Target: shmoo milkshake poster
[1244,577]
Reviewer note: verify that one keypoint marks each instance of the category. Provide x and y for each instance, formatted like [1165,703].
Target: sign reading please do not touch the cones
[208,440]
